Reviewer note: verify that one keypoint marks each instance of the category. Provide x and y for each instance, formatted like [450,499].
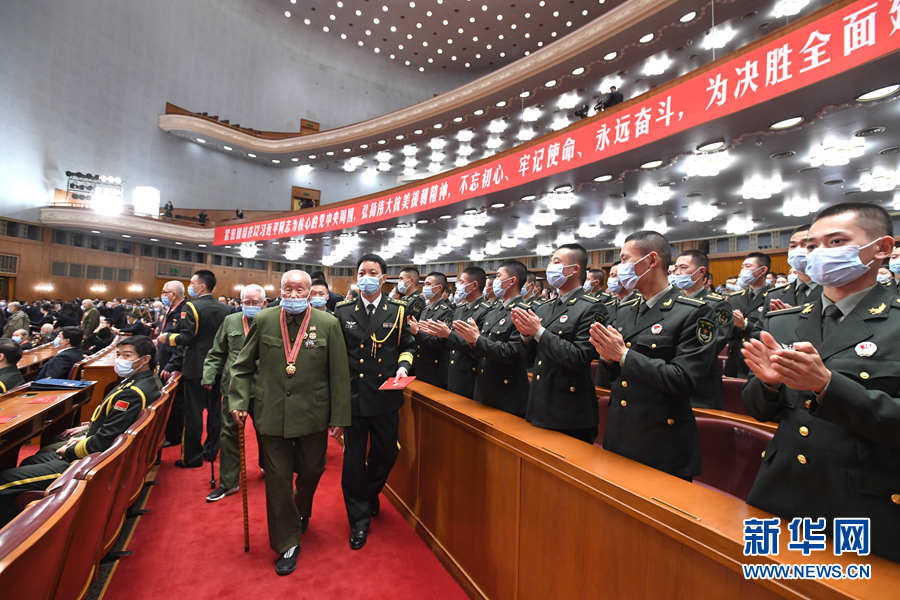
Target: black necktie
[643,308]
[801,292]
[371,310]
[830,319]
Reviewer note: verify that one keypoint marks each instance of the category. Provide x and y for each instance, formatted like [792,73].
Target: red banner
[839,41]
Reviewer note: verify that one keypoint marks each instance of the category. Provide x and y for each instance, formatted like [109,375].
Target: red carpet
[188,548]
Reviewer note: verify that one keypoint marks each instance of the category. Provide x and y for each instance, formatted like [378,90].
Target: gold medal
[290,369]
[292,350]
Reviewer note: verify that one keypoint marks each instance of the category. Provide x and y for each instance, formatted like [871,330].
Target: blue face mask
[555,275]
[732,287]
[894,266]
[17,338]
[56,342]
[368,285]
[627,277]
[318,301]
[497,288]
[797,258]
[402,287]
[880,278]
[834,267]
[123,368]
[293,306]
[250,311]
[428,292]
[460,294]
[587,286]
[192,292]
[166,302]
[792,277]
[613,285]
[682,282]
[747,277]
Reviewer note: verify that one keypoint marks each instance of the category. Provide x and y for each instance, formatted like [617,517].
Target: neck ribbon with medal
[398,320]
[291,351]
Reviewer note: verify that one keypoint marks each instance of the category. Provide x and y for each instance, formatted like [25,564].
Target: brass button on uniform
[863,374]
[653,345]
[895,498]
[451,362]
[804,430]
[623,403]
[362,360]
[362,345]
[505,381]
[572,388]
[379,360]
[628,344]
[801,459]
[540,362]
[435,361]
[560,332]
[624,383]
[762,454]
[361,375]
[670,421]
[537,377]
[807,403]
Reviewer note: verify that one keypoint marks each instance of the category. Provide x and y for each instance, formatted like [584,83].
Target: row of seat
[53,548]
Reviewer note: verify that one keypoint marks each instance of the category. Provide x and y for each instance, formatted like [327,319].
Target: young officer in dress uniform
[557,339]
[135,364]
[501,380]
[657,352]
[293,368]
[748,309]
[200,320]
[690,276]
[217,366]
[10,375]
[408,291]
[380,346]
[802,289]
[432,355]
[463,365]
[827,371]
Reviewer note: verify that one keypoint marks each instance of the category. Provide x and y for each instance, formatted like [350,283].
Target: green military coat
[228,342]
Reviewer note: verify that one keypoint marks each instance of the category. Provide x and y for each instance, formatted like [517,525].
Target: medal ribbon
[246,325]
[291,352]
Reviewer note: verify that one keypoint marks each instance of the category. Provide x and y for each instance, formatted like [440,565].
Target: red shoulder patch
[121,405]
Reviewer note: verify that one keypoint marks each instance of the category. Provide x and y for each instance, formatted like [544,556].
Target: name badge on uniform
[865,349]
[502,321]
[760,309]
[564,318]
[656,329]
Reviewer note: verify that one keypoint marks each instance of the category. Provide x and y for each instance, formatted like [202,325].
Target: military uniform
[432,356]
[612,306]
[794,293]
[111,418]
[199,320]
[501,380]
[90,321]
[217,366]
[415,303]
[562,391]
[171,358]
[292,412]
[10,377]
[669,346]
[751,304]
[708,391]
[17,320]
[837,455]
[378,343]
[463,367]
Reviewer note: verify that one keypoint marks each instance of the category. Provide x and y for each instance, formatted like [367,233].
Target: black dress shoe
[304,524]
[376,507]
[168,444]
[287,562]
[358,538]
[183,465]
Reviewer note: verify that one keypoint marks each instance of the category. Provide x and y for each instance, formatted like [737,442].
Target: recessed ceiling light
[438,125]
[563,189]
[578,71]
[418,132]
[329,153]
[399,136]
[652,164]
[382,142]
[287,14]
[311,157]
[497,205]
[276,161]
[457,119]
[125,235]
[295,159]
[478,112]
[501,104]
[363,146]
[610,55]
[602,178]
[251,155]
[688,17]
[786,123]
[201,245]
[646,38]
[201,141]
[879,93]
[94,231]
[550,83]
[714,146]
[227,148]
[306,21]
[445,217]
[422,221]
[154,240]
[528,198]
[179,244]
[524,94]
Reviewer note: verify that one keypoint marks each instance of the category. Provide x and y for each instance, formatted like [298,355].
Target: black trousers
[36,472]
[196,400]
[364,474]
[175,424]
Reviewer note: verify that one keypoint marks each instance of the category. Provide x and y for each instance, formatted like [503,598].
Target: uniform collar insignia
[807,309]
[668,302]
[878,309]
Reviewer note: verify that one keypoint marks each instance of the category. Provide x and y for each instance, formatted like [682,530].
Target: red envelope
[7,418]
[397,384]
[44,400]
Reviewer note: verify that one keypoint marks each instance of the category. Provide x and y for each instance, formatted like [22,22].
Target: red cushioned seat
[731,454]
[731,395]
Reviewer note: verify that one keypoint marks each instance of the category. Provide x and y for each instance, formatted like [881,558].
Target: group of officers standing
[820,354]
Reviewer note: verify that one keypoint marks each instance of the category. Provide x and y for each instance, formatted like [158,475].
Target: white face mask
[836,266]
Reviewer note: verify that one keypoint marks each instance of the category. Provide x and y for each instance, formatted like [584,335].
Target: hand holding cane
[239,417]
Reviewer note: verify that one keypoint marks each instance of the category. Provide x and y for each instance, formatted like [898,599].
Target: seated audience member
[139,387]
[318,295]
[135,326]
[46,335]
[20,336]
[826,371]
[100,338]
[68,316]
[10,375]
[69,343]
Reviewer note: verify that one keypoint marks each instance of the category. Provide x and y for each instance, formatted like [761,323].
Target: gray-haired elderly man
[228,342]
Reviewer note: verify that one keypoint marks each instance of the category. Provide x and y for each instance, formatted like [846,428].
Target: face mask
[834,267]
[894,266]
[497,287]
[627,277]
[682,282]
[401,287]
[17,338]
[250,311]
[792,277]
[525,292]
[192,292]
[56,342]
[318,301]
[555,275]
[428,292]
[732,287]
[293,306]
[123,368]
[746,277]
[368,285]
[613,286]
[587,287]
[880,278]
[797,258]
[461,292]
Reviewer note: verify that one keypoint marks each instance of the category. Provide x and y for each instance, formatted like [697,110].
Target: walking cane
[240,424]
